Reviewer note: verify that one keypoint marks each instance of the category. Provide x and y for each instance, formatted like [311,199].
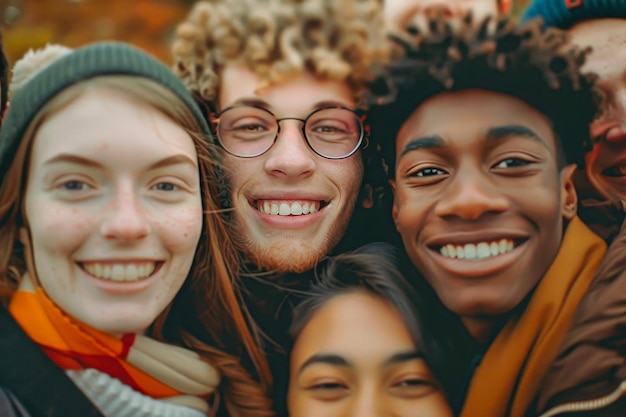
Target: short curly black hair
[511,59]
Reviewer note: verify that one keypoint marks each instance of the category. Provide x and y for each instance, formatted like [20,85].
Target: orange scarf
[506,381]
[155,369]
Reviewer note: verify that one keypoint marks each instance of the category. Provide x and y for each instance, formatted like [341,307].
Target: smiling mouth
[121,272]
[478,250]
[289,207]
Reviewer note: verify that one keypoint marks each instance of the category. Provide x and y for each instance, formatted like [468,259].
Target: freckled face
[340,367]
[479,198]
[113,209]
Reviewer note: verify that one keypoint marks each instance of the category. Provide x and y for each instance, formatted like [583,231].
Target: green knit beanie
[104,58]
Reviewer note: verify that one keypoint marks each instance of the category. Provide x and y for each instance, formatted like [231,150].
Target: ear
[569,198]
[394,209]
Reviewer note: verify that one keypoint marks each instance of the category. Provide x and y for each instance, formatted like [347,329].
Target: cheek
[410,211]
[346,174]
[241,170]
[179,229]
[58,229]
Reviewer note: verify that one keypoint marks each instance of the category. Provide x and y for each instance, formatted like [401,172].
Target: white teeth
[470,251]
[126,272]
[494,249]
[288,208]
[117,273]
[296,208]
[480,250]
[284,209]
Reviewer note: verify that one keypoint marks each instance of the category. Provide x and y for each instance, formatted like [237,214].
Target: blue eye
[75,185]
[165,186]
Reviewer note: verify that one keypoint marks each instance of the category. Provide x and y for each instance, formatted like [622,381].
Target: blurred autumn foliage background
[148,24]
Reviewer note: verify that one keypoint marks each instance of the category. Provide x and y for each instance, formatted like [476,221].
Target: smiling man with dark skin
[482,133]
[478,198]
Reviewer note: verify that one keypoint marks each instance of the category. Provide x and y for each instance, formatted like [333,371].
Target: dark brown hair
[375,269]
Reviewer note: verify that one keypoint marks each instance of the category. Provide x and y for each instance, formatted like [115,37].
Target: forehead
[607,37]
[105,122]
[470,114]
[298,93]
[338,326]
[398,9]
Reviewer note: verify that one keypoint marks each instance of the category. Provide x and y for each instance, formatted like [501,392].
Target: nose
[369,405]
[126,220]
[470,196]
[290,157]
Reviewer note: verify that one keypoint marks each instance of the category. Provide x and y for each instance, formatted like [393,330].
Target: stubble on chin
[286,256]
[290,254]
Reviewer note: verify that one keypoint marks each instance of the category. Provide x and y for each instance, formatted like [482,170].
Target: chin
[284,258]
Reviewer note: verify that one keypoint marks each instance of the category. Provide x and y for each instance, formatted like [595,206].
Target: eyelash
[434,172]
[174,186]
[518,161]
[422,171]
[65,185]
[327,386]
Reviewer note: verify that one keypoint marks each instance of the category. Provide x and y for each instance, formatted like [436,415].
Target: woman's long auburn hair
[210,291]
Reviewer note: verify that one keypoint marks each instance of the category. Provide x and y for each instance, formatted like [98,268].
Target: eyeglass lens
[248,131]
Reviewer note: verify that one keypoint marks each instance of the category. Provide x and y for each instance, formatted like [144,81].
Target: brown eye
[414,387]
[328,390]
[428,172]
[511,163]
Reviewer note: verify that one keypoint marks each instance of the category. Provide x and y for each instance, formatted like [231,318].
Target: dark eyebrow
[426,142]
[329,359]
[504,132]
[403,357]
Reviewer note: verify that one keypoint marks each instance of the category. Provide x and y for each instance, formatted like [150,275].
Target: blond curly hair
[339,40]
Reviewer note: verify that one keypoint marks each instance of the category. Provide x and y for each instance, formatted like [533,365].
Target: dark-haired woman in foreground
[359,348]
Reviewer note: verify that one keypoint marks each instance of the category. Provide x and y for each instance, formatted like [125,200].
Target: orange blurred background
[148,24]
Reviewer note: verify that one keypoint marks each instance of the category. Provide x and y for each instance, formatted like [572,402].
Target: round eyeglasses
[248,131]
